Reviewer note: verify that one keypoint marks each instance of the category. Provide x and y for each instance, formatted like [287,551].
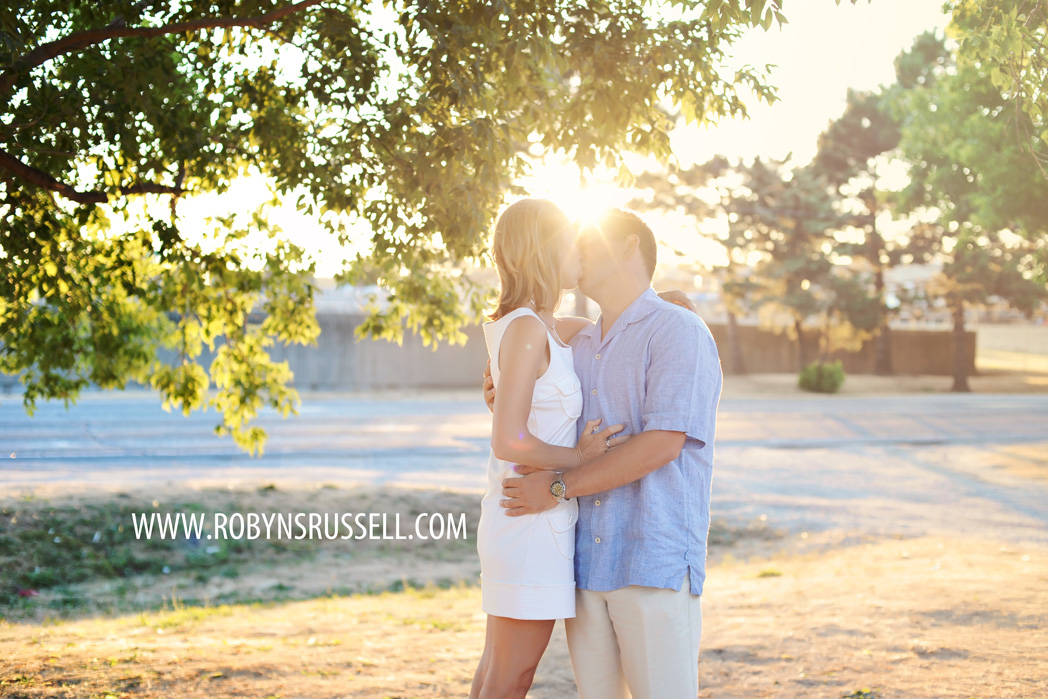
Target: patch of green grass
[229,572]
[181,615]
[724,533]
[862,694]
[430,589]
[81,554]
[430,623]
[398,585]
[770,573]
[66,602]
[133,658]
[45,547]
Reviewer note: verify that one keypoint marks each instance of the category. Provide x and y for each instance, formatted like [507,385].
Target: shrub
[822,377]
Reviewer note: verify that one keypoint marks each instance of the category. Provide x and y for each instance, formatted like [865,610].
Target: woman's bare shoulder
[523,347]
[525,328]
[569,326]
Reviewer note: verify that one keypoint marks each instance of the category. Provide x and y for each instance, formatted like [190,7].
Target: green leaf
[410,135]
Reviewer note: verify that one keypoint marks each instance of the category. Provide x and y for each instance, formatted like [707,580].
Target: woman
[527,568]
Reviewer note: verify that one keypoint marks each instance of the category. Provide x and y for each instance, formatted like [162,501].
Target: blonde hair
[526,252]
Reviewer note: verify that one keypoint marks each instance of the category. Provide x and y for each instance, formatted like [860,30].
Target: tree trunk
[882,352]
[801,354]
[736,363]
[824,339]
[960,353]
[882,342]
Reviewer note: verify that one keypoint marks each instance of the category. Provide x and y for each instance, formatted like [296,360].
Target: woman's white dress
[527,563]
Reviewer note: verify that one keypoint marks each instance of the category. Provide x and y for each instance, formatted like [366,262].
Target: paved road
[907,464]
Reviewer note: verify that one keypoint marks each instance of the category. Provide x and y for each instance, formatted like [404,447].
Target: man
[644,507]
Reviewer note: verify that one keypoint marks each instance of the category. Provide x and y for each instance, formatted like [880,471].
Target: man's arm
[520,355]
[644,453]
[682,383]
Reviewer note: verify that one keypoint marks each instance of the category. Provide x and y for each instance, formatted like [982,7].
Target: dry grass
[916,618]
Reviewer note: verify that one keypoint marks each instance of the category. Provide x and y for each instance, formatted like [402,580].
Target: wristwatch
[557,488]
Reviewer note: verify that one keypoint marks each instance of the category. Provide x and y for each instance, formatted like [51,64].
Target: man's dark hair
[620,223]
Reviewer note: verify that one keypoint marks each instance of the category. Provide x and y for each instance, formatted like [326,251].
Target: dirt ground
[916,618]
[826,615]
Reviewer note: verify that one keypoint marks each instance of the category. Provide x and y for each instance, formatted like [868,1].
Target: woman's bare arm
[521,355]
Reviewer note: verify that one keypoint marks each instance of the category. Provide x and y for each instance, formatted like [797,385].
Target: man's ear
[632,246]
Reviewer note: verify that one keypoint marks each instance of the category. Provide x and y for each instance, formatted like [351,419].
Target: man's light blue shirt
[657,369]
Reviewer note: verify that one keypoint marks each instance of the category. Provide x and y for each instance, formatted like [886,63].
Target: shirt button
[597,503]
[598,356]
[594,391]
[597,540]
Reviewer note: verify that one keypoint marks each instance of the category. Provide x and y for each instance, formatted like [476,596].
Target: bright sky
[819,54]
[824,50]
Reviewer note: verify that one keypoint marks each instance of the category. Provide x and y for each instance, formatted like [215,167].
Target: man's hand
[489,388]
[528,494]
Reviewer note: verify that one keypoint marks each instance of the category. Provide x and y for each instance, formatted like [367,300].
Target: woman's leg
[482,666]
[516,646]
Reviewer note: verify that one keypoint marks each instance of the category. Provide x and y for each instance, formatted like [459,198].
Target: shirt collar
[642,307]
[591,331]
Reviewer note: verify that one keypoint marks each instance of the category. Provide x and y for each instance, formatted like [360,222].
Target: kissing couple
[597,509]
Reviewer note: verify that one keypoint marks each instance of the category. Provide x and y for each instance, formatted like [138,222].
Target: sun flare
[580,198]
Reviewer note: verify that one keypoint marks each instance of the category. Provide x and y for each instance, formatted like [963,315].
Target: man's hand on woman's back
[489,388]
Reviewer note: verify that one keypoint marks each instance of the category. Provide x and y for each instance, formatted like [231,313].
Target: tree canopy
[987,200]
[1006,39]
[411,118]
[974,201]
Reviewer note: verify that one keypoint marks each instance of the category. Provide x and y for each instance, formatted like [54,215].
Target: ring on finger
[607,442]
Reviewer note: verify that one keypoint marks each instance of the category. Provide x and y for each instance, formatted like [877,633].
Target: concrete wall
[339,362]
[914,352]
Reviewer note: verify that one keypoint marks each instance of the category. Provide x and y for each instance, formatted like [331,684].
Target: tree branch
[121,21]
[78,40]
[42,179]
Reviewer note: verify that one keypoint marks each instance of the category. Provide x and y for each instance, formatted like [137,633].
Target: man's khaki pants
[636,641]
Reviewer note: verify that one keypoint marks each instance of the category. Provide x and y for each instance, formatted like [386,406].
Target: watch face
[557,488]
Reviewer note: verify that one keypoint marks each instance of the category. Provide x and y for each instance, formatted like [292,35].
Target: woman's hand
[680,298]
[594,441]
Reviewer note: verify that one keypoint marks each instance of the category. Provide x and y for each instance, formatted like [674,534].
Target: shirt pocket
[562,521]
[569,389]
